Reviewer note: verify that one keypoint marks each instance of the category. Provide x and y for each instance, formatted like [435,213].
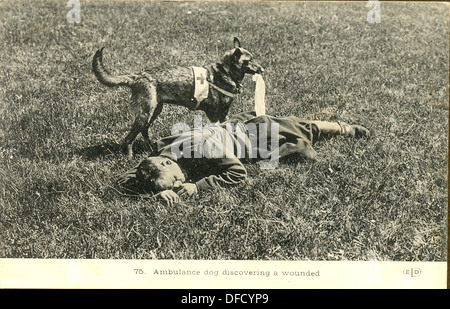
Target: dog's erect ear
[237,54]
[237,43]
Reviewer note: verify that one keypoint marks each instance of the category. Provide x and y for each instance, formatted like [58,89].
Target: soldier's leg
[329,128]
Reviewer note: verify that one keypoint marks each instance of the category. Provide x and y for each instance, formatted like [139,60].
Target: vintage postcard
[224,144]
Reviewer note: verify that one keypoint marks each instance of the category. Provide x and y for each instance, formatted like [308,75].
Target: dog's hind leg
[145,101]
[155,115]
[139,122]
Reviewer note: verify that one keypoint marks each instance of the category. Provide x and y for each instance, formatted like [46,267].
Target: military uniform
[295,137]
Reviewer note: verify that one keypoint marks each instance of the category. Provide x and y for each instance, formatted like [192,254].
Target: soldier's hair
[146,172]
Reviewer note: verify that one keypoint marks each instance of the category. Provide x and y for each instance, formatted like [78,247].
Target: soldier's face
[171,176]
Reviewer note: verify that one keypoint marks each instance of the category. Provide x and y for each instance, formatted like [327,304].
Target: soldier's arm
[230,172]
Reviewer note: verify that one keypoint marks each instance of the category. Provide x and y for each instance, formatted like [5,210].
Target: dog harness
[201,89]
[202,83]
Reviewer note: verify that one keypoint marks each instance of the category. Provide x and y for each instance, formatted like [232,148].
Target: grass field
[381,198]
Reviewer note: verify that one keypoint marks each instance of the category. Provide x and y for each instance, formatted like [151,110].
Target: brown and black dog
[150,90]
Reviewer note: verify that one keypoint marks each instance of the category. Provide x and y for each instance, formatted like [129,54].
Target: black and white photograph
[224,132]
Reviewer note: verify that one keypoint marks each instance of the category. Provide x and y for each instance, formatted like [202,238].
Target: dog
[211,88]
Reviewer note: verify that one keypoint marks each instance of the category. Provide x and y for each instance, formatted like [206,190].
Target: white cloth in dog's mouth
[260,93]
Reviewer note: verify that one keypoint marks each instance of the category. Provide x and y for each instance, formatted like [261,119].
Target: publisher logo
[412,272]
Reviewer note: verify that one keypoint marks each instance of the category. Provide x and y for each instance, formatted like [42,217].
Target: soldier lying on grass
[214,154]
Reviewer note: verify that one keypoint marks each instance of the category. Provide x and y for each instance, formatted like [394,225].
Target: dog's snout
[259,69]
[254,68]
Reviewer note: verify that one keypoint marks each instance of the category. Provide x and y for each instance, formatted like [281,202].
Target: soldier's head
[159,173]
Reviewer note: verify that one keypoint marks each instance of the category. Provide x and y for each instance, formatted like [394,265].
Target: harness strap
[227,93]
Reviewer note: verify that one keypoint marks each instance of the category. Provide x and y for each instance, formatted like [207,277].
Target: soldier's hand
[169,196]
[361,131]
[188,189]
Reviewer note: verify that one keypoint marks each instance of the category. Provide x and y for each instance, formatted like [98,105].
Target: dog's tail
[105,77]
